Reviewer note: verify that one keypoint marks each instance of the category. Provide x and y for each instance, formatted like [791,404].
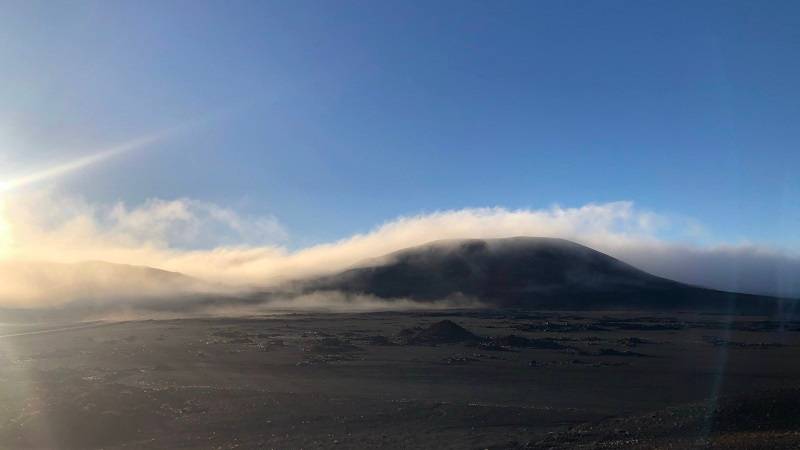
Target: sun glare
[5,228]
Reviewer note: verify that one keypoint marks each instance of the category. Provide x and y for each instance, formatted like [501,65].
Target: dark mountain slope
[528,272]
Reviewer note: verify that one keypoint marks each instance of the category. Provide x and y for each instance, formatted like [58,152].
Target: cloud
[42,225]
[336,301]
[218,246]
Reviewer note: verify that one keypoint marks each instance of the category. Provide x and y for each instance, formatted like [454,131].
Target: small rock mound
[443,332]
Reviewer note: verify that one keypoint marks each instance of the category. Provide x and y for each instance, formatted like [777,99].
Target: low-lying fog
[143,256]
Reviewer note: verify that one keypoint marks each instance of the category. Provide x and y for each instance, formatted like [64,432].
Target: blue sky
[337,116]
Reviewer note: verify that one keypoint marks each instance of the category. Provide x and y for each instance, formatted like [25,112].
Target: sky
[297,124]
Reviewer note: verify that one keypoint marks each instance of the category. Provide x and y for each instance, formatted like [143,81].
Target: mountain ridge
[529,272]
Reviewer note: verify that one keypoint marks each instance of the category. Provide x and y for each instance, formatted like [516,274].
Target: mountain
[37,291]
[529,272]
[34,284]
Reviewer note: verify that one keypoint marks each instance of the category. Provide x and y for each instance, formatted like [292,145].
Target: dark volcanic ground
[403,380]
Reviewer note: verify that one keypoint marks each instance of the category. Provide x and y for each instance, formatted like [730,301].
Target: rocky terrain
[447,379]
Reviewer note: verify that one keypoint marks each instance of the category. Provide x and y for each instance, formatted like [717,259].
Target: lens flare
[5,230]
[78,163]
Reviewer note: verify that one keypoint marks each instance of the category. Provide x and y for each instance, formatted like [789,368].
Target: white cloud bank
[216,244]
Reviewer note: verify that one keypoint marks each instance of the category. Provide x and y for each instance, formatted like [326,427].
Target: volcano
[529,272]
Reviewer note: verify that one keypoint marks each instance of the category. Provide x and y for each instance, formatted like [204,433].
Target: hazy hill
[527,272]
[27,284]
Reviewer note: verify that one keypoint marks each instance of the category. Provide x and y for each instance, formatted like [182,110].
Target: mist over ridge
[529,272]
[227,253]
